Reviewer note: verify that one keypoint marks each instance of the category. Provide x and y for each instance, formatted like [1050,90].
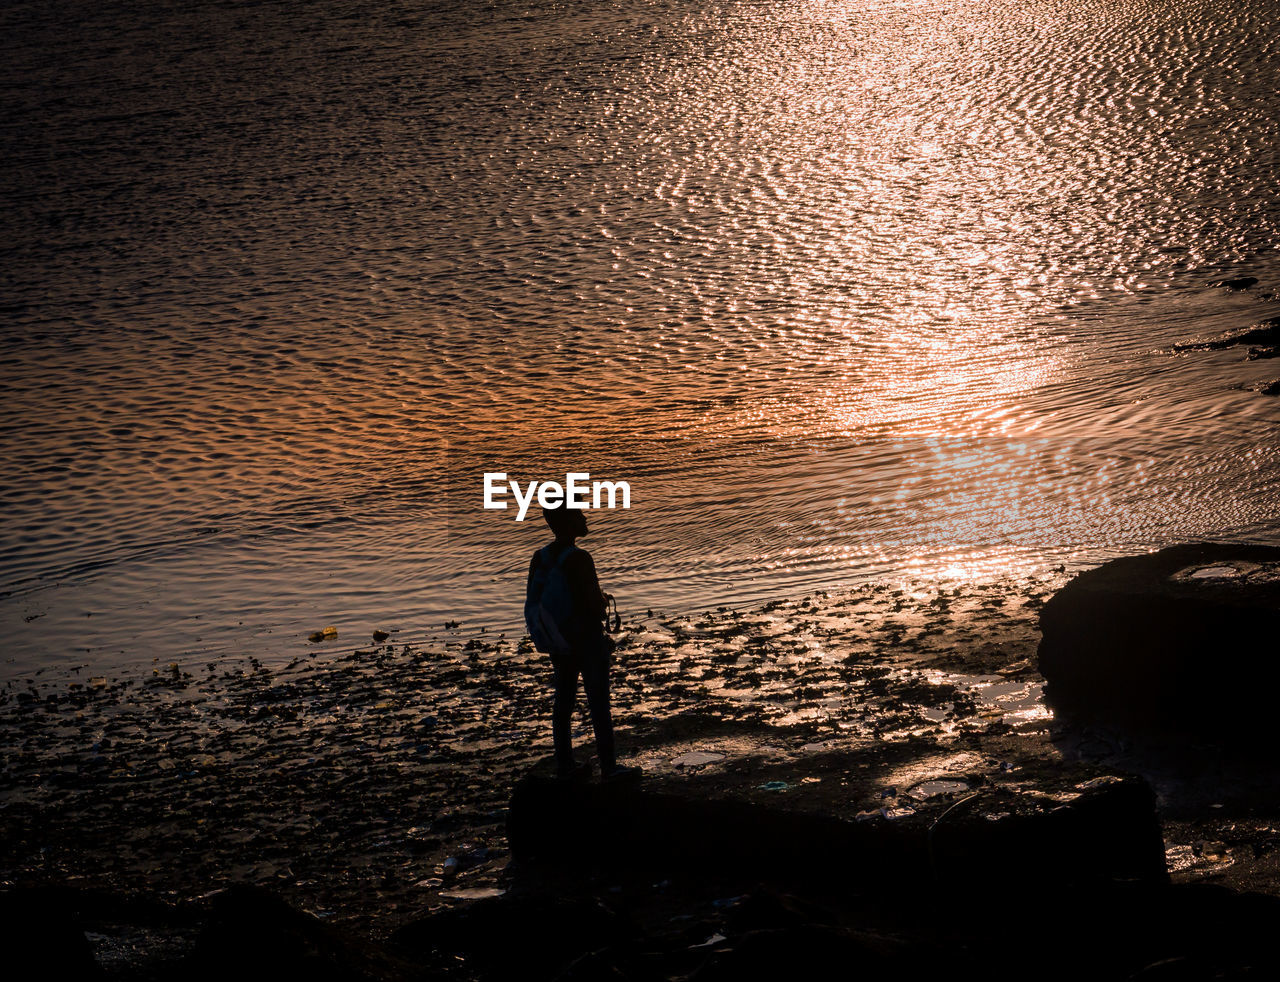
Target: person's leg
[566,680]
[595,679]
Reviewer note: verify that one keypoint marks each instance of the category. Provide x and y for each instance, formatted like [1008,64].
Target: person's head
[566,523]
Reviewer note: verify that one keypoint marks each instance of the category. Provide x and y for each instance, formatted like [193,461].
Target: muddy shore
[371,788]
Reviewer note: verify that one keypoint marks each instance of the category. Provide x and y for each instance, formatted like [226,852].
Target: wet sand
[372,787]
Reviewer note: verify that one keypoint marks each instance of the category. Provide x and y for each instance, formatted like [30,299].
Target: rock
[999,838]
[809,952]
[1266,333]
[513,936]
[1236,283]
[1271,388]
[253,933]
[763,910]
[380,636]
[1256,354]
[42,937]
[1183,636]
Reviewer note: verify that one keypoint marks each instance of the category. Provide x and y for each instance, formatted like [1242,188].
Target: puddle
[1213,572]
[931,789]
[819,747]
[472,893]
[887,813]
[931,776]
[1181,858]
[1251,572]
[697,758]
[1015,702]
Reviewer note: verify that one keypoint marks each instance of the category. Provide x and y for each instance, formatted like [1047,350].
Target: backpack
[548,603]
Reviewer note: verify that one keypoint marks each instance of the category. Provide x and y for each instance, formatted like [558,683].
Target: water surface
[846,291]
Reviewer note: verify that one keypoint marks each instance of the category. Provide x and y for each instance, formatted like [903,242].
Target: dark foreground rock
[555,925]
[42,936]
[1185,637]
[524,935]
[243,932]
[671,931]
[994,838]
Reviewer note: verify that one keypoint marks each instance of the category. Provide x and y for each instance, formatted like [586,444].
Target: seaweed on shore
[372,787]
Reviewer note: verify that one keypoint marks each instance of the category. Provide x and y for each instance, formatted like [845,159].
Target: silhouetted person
[565,612]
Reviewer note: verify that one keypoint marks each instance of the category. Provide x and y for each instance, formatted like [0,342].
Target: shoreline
[373,787]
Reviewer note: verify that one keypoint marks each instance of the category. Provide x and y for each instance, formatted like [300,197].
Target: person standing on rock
[566,612]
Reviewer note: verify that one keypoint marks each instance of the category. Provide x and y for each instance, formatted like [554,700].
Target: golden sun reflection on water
[843,289]
[863,330]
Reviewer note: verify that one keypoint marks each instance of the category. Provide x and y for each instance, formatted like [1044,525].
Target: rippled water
[844,290]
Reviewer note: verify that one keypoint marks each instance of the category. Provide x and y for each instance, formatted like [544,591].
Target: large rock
[1045,833]
[513,936]
[1185,636]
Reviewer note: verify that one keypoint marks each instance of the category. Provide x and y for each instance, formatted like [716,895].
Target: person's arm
[580,569]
